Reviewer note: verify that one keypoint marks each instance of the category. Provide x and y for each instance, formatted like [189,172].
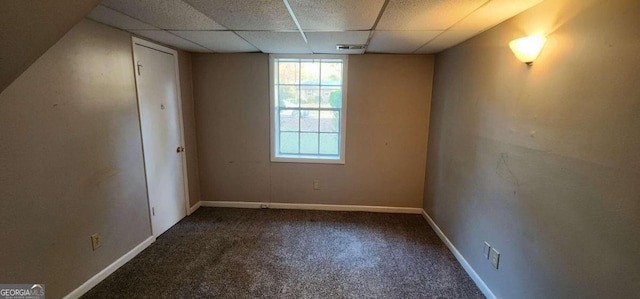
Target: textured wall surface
[543,162]
[387,123]
[29,28]
[71,160]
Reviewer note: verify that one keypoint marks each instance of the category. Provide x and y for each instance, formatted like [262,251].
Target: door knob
[180,149]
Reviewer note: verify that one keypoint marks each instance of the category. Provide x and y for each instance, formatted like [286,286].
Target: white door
[161,122]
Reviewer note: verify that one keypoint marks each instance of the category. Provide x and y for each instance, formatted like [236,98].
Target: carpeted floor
[250,253]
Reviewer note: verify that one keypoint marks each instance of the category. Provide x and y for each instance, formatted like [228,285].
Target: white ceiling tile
[276,42]
[218,41]
[426,15]
[399,41]
[494,13]
[169,39]
[336,14]
[113,18]
[247,15]
[165,14]
[325,42]
[265,25]
[446,40]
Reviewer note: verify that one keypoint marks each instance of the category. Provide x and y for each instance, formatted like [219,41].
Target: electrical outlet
[316,184]
[495,257]
[486,249]
[96,241]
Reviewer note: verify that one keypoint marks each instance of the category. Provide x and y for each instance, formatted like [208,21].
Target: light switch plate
[494,257]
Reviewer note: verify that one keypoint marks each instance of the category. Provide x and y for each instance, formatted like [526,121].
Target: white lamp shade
[527,48]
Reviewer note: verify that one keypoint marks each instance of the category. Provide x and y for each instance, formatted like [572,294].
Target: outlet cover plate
[486,250]
[495,258]
[96,241]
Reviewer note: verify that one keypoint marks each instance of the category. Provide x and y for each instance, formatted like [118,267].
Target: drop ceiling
[308,26]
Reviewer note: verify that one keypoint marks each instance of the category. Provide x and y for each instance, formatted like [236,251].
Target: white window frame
[305,158]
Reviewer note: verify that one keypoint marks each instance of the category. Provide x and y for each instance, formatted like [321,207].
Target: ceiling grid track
[452,25]
[375,24]
[295,20]
[228,29]
[187,40]
[159,29]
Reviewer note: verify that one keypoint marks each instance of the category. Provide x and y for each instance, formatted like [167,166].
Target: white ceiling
[308,26]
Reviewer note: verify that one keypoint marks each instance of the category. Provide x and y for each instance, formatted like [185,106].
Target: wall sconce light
[527,48]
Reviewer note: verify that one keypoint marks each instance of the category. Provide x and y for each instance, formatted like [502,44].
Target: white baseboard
[231,204]
[96,279]
[194,208]
[467,267]
[301,206]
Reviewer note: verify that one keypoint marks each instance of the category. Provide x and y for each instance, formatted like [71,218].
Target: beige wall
[189,122]
[387,123]
[29,28]
[543,162]
[71,160]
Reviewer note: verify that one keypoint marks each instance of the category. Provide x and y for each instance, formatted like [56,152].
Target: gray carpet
[249,253]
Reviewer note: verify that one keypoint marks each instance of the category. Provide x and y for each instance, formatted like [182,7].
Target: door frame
[138,41]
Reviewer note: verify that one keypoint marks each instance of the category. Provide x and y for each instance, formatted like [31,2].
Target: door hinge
[153,211]
[139,66]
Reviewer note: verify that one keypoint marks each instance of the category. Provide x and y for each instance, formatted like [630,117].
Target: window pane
[310,72]
[307,106]
[288,71]
[288,96]
[331,72]
[331,97]
[289,120]
[310,96]
[309,143]
[288,143]
[329,121]
[309,120]
[329,144]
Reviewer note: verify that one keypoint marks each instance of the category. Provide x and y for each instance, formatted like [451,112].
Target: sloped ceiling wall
[29,28]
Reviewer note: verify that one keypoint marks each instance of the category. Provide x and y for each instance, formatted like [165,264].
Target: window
[308,108]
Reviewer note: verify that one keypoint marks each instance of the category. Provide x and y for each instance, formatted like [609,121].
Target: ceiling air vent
[349,47]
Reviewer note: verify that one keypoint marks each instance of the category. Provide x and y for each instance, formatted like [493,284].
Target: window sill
[310,159]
